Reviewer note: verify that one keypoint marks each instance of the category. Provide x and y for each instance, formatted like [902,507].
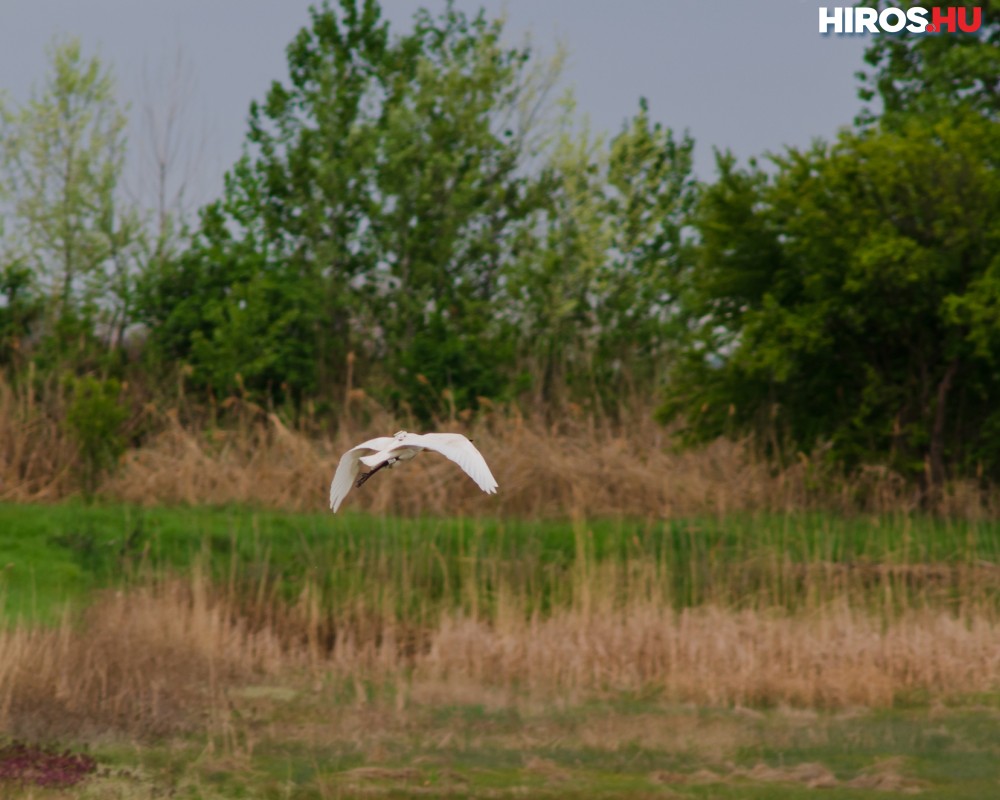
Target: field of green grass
[50,555]
[315,728]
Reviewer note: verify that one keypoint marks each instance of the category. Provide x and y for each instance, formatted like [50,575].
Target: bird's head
[399,434]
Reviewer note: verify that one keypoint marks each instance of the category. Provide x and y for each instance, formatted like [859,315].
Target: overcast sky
[746,76]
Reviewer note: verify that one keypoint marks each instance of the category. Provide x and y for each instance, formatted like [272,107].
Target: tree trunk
[936,451]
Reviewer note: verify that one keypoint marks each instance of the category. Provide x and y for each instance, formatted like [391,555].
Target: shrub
[95,417]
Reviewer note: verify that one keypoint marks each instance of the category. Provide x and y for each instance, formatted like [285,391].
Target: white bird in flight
[388,451]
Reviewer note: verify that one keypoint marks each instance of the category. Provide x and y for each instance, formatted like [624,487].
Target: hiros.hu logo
[944,19]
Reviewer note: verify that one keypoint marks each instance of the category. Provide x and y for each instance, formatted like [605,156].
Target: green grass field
[50,555]
[319,734]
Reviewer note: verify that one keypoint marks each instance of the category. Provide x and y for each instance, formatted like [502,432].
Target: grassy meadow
[235,652]
[622,620]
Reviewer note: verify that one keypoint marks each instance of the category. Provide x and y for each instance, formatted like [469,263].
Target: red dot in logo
[931,28]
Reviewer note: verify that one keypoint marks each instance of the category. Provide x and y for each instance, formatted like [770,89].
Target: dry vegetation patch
[145,662]
[594,465]
[831,658]
[170,655]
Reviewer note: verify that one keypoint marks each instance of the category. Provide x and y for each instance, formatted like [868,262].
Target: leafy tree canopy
[853,298]
[935,73]
[373,211]
[69,244]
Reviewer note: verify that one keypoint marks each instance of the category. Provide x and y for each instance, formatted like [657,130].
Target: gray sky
[750,76]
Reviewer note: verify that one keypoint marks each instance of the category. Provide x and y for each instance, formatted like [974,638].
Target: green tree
[20,307]
[550,289]
[61,161]
[935,73]
[594,291]
[650,196]
[372,212]
[95,418]
[851,299]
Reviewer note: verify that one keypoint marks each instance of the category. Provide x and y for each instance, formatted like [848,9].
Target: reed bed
[596,466]
[37,456]
[146,661]
[168,656]
[710,656]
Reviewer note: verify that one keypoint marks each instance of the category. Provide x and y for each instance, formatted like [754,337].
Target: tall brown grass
[592,466]
[146,661]
[165,657]
[37,456]
[832,658]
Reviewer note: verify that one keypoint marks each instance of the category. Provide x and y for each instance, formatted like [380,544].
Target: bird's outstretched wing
[457,448]
[348,468]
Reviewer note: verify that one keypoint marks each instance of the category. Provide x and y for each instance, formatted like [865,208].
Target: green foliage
[935,74]
[594,293]
[377,195]
[20,307]
[649,198]
[851,299]
[95,416]
[448,367]
[61,160]
[384,207]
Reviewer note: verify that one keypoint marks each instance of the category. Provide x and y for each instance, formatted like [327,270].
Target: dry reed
[163,657]
[833,658]
[591,466]
[145,662]
[37,457]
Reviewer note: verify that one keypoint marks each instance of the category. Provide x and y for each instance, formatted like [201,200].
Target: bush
[95,418]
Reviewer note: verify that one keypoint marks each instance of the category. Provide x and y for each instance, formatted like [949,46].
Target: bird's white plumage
[349,467]
[404,446]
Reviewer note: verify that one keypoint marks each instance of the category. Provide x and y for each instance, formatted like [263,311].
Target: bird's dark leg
[361,480]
